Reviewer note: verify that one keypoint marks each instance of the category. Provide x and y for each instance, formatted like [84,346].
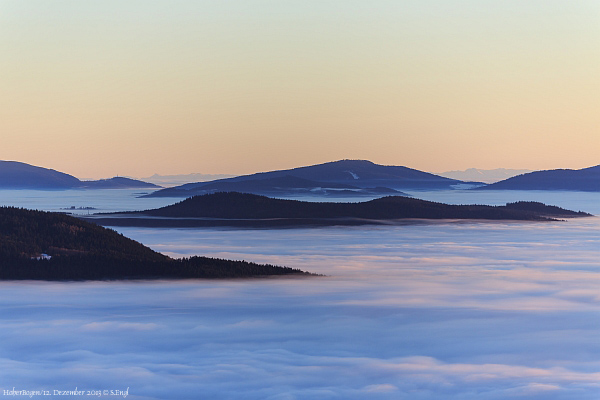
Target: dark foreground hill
[357,173]
[585,180]
[53,246]
[239,209]
[18,175]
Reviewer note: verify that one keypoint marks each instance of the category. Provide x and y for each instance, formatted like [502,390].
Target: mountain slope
[278,186]
[18,175]
[54,246]
[484,175]
[118,182]
[180,179]
[586,179]
[358,173]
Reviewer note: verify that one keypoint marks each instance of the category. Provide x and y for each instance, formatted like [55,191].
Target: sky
[98,89]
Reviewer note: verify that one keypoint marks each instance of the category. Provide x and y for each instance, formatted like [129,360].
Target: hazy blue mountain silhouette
[18,175]
[279,186]
[484,175]
[118,182]
[357,173]
[586,179]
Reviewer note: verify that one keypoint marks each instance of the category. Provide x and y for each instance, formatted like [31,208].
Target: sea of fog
[470,310]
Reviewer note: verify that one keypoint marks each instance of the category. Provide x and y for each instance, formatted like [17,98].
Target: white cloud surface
[452,311]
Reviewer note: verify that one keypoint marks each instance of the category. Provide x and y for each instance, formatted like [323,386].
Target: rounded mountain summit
[336,177]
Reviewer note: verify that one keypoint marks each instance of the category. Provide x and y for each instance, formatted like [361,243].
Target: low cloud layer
[484,311]
[450,311]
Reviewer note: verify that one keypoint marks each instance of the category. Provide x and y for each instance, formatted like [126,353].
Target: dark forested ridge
[240,209]
[80,250]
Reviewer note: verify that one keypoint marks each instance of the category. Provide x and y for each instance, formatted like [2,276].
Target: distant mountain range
[345,177]
[18,175]
[586,180]
[484,175]
[176,180]
[249,210]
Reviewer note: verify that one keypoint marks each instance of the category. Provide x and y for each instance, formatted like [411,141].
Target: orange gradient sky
[97,89]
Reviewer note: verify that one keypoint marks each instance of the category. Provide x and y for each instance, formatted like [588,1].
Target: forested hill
[79,250]
[248,206]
